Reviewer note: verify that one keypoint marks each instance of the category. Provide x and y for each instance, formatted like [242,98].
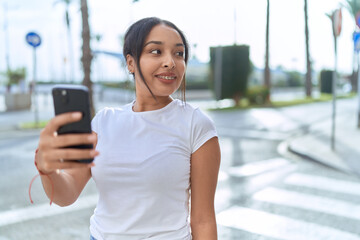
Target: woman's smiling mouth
[166,78]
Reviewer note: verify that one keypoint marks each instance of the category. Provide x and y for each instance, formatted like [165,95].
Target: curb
[311,148]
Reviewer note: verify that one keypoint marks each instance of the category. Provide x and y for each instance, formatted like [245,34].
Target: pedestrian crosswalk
[323,183]
[309,196]
[257,167]
[251,134]
[308,202]
[279,227]
[44,210]
[254,168]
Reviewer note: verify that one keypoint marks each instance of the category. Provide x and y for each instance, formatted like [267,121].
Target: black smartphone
[74,98]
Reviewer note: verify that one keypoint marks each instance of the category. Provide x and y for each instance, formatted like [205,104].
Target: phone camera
[63,96]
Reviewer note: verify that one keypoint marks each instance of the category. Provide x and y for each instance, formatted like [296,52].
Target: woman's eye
[155,51]
[180,54]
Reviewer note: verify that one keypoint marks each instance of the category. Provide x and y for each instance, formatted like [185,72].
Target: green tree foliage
[257,95]
[234,70]
[295,79]
[15,76]
[353,6]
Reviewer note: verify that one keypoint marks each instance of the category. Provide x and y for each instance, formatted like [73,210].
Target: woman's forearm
[204,230]
[60,188]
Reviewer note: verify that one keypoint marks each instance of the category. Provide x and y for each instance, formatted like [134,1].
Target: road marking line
[251,134]
[273,119]
[258,167]
[309,202]
[279,227]
[323,183]
[223,176]
[45,210]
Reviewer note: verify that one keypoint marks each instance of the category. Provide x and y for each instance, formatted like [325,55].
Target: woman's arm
[68,185]
[64,187]
[205,163]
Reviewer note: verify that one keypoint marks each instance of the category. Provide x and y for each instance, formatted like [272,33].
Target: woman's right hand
[52,155]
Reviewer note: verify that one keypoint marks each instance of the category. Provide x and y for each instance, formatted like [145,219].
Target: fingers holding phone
[62,119]
[54,149]
[67,141]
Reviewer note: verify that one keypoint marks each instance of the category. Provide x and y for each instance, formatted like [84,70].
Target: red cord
[41,173]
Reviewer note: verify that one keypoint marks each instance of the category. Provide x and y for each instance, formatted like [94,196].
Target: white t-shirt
[143,170]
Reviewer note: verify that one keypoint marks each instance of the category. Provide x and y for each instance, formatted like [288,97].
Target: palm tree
[86,51]
[353,7]
[67,21]
[308,83]
[267,81]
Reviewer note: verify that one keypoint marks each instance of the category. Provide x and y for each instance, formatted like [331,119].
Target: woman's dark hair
[135,39]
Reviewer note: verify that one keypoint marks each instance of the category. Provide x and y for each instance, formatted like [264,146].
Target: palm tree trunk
[267,68]
[87,56]
[267,82]
[70,45]
[308,84]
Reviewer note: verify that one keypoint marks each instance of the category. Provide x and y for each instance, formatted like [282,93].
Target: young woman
[153,156]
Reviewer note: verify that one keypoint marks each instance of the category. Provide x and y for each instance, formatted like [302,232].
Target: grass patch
[33,125]
[244,103]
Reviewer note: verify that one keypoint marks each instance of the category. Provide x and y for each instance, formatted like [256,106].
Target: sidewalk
[316,145]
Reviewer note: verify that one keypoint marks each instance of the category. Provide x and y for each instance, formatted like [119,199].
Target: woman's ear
[130,62]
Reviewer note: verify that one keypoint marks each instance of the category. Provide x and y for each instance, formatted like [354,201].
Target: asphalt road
[264,192]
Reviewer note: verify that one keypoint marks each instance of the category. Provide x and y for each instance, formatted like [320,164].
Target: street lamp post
[357,50]
[334,78]
[336,19]
[6,37]
[6,31]
[357,54]
[358,94]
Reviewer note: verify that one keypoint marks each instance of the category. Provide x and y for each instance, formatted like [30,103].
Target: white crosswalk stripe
[269,224]
[251,134]
[251,169]
[280,227]
[44,210]
[309,202]
[323,183]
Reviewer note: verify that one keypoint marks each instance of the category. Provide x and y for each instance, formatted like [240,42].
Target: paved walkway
[317,144]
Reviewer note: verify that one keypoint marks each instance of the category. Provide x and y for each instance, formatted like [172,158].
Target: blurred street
[280,176]
[264,191]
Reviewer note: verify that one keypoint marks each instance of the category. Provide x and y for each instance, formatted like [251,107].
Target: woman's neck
[149,104]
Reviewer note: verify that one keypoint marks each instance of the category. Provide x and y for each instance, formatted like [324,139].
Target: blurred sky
[205,23]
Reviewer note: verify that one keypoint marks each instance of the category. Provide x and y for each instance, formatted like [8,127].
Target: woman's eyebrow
[160,43]
[153,42]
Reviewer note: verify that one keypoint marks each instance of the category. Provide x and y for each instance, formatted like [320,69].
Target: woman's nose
[169,62]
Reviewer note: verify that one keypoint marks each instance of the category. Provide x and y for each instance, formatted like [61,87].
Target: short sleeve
[95,122]
[202,130]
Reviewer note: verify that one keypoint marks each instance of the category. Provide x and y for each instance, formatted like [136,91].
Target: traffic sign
[336,20]
[357,19]
[33,39]
[356,38]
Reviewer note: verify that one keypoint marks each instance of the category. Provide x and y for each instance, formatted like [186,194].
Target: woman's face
[162,62]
